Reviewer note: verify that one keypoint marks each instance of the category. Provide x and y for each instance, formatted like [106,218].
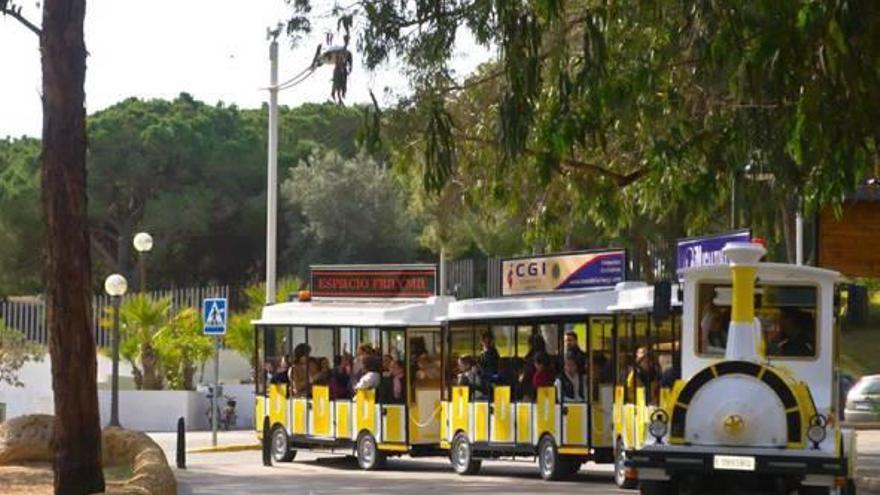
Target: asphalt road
[317,474]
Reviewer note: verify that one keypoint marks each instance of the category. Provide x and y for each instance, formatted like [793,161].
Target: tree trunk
[68,271]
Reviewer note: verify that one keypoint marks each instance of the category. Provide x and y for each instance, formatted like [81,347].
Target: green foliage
[21,225]
[346,211]
[15,351]
[625,122]
[163,348]
[183,345]
[240,332]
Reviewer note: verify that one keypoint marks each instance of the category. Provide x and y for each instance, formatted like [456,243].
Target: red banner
[378,281]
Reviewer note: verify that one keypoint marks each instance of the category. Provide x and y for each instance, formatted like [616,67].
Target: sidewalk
[868,461]
[197,440]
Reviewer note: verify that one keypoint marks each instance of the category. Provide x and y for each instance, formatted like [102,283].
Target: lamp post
[143,243]
[115,285]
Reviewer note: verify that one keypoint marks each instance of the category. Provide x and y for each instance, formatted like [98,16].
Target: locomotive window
[788,316]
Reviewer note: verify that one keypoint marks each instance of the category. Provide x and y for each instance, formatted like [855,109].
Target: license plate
[734,463]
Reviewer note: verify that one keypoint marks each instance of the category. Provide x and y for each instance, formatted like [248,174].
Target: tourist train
[730,372]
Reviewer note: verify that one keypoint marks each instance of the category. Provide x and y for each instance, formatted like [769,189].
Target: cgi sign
[563,272]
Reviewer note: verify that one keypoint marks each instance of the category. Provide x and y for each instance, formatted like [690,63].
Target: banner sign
[563,272]
[374,281]
[706,250]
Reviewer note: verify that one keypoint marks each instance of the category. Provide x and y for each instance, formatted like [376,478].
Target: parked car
[845,383]
[863,401]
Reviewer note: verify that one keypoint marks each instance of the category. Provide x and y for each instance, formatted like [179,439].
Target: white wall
[138,410]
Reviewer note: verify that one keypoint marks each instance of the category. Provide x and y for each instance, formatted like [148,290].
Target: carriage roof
[357,312]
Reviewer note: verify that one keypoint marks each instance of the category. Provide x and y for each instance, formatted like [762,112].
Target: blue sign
[706,250]
[214,314]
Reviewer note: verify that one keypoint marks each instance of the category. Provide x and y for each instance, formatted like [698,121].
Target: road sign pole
[214,398]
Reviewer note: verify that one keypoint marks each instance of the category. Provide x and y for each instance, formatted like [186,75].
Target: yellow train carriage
[371,423]
[499,418]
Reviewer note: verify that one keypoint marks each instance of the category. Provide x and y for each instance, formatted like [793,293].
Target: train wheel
[281,451]
[553,466]
[462,456]
[368,455]
[620,478]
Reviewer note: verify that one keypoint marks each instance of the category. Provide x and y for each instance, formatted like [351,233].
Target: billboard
[563,272]
[706,250]
[848,243]
[374,281]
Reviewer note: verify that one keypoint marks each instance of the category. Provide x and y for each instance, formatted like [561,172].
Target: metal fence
[28,314]
[474,277]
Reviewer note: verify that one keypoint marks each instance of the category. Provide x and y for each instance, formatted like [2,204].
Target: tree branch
[15,13]
[622,180]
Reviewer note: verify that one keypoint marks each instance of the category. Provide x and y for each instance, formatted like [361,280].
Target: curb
[226,448]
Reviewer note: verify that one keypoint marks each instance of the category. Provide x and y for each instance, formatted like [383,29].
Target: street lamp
[115,285]
[143,243]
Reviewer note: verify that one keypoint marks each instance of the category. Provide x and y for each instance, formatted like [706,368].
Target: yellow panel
[502,417]
[524,423]
[425,417]
[598,426]
[343,419]
[322,414]
[444,421]
[278,403]
[575,424]
[640,417]
[394,429]
[743,307]
[365,411]
[545,408]
[300,426]
[258,415]
[481,422]
[617,411]
[460,398]
[573,450]
[393,447]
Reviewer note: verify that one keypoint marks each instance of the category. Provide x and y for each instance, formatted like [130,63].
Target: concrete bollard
[267,442]
[181,443]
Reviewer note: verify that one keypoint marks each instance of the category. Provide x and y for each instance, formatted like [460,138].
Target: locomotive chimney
[744,335]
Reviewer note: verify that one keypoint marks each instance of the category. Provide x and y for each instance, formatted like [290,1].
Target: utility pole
[272,171]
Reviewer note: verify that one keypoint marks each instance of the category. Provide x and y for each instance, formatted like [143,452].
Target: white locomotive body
[757,401]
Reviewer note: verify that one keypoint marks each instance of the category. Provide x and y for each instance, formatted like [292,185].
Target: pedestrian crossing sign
[214,314]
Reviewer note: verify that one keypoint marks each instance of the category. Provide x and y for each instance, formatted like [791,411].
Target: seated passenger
[543,376]
[571,384]
[397,377]
[340,377]
[796,334]
[280,375]
[299,373]
[371,377]
[468,374]
[428,369]
[489,357]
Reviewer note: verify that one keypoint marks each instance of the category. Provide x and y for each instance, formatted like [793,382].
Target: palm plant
[141,319]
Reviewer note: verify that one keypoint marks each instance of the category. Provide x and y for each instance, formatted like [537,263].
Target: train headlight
[817,430]
[659,424]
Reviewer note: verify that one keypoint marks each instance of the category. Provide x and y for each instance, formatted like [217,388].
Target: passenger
[299,372]
[468,373]
[427,368]
[794,325]
[358,370]
[280,375]
[571,384]
[646,372]
[489,358]
[523,383]
[387,360]
[713,330]
[573,350]
[537,345]
[371,377]
[269,372]
[669,376]
[602,369]
[543,376]
[398,382]
[321,375]
[340,377]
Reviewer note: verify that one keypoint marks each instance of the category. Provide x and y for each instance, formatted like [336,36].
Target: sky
[213,49]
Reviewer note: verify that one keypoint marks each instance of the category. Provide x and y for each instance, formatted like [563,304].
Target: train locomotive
[756,404]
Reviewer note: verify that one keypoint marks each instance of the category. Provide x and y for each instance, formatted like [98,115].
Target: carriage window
[424,372]
[787,314]
[505,336]
[273,343]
